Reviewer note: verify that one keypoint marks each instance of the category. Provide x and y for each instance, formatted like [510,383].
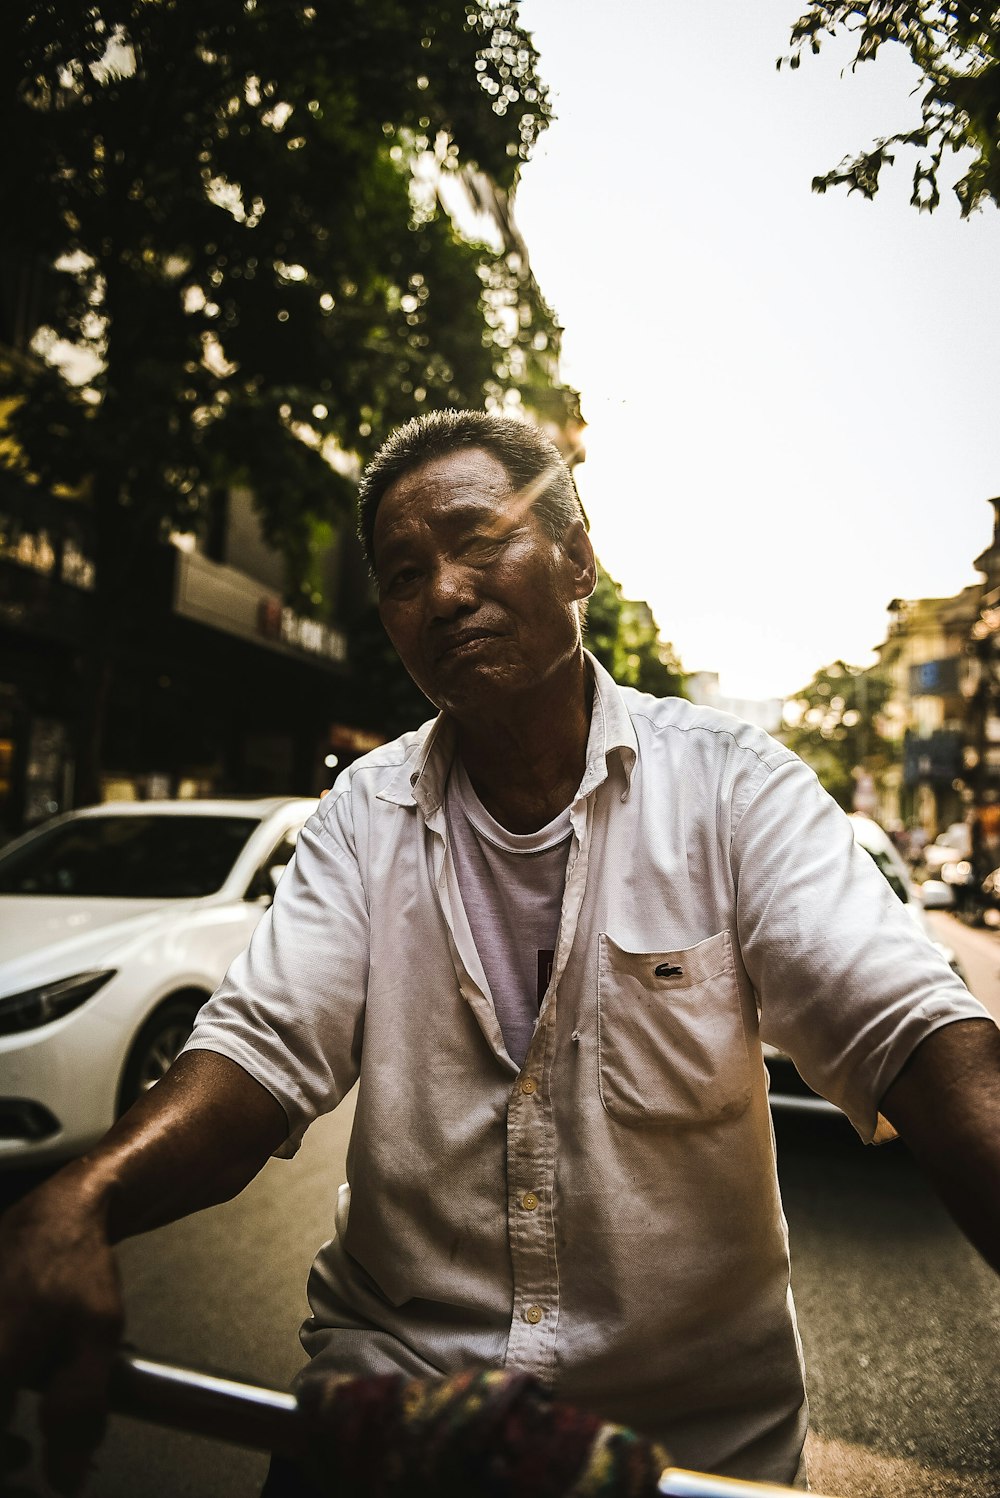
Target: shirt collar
[611,729]
[421,778]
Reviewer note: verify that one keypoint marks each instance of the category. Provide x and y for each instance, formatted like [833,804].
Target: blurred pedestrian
[917,844]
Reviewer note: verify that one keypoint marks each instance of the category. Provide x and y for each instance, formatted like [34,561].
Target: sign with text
[935,678]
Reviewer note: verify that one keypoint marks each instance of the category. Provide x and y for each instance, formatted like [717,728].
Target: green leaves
[624,637]
[956,47]
[833,723]
[258,281]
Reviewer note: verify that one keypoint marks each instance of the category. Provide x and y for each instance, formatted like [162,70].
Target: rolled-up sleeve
[847,982]
[290,1010]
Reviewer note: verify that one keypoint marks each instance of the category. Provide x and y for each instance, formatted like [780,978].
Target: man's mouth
[462,640]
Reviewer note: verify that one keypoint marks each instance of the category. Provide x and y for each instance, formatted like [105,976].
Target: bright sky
[792,399]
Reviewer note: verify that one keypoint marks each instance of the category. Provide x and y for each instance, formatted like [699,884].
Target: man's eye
[402,579]
[483,548]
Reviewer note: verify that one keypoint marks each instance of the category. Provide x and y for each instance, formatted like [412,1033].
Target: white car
[950,846]
[788,1091]
[116,924]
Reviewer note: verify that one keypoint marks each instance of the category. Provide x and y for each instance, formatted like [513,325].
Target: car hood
[43,936]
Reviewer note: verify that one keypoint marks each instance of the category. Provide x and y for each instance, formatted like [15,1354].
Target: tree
[832,724]
[221,200]
[956,47]
[385,696]
[624,637]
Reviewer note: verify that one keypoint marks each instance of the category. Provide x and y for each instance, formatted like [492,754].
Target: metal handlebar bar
[205,1404]
[266,1420]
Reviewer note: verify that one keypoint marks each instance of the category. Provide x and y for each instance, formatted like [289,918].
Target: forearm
[195,1139]
[945,1104]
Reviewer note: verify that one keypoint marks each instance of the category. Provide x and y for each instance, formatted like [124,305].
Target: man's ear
[575,543]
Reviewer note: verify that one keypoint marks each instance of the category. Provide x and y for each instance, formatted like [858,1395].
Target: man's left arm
[945,1103]
[846,983]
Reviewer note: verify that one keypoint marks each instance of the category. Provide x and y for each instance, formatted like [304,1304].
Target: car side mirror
[260,890]
[936,895]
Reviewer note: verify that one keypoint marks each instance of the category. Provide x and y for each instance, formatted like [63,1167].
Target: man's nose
[452,590]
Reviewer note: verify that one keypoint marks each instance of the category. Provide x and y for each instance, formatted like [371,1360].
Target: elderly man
[547,933]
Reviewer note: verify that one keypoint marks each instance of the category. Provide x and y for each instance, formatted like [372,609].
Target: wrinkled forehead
[456,490]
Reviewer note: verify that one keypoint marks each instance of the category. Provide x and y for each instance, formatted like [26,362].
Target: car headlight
[49,1001]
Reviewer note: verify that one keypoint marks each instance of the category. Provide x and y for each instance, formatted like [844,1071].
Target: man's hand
[195,1139]
[946,1105]
[60,1317]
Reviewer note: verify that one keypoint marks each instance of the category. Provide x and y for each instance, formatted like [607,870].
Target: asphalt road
[900,1319]
[899,1316]
[978,950]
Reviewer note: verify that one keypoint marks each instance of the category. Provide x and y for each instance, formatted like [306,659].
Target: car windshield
[891,873]
[140,857]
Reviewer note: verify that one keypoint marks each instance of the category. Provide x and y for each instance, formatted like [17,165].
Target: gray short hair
[531,461]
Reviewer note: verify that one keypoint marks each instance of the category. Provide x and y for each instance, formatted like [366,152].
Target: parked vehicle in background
[116,924]
[788,1090]
[950,846]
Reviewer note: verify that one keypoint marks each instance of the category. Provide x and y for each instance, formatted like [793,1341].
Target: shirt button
[533,1315]
[529,1201]
[529,1085]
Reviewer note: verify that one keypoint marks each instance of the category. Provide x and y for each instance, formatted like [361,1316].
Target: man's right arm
[288,1013]
[195,1139]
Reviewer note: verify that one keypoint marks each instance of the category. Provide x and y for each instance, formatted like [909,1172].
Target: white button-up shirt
[606,1217]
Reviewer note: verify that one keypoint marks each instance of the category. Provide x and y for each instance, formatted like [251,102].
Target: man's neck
[527,769]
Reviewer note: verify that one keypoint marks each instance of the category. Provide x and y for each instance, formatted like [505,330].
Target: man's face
[478,599]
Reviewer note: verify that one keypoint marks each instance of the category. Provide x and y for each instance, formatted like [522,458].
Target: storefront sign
[935,678]
[275,622]
[311,636]
[229,600]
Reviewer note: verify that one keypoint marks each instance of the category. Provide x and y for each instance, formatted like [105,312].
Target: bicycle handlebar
[267,1420]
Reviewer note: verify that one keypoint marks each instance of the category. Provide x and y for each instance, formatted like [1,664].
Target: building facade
[925,717]
[942,658]
[212,685]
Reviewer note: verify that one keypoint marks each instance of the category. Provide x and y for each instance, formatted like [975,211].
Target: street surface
[978,950]
[899,1316]
[900,1319]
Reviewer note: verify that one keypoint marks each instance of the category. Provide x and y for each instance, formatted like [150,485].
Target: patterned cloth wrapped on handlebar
[488,1433]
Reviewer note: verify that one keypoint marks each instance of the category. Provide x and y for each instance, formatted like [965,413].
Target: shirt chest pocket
[671,1043]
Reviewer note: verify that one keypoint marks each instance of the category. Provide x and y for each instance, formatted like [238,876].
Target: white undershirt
[512,887]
